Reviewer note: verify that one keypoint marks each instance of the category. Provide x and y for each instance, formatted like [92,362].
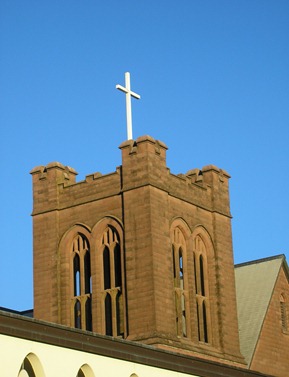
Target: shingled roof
[255,282]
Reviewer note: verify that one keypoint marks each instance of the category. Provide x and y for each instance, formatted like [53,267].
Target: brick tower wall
[153,197]
[145,198]
[60,204]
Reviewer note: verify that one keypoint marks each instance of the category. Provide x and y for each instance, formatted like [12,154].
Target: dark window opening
[106,268]
[76,268]
[202,278]
[205,323]
[174,264]
[120,315]
[179,272]
[87,272]
[198,319]
[202,290]
[77,315]
[108,315]
[117,265]
[88,319]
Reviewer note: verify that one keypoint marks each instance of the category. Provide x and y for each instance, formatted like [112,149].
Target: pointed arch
[182,224]
[179,235]
[85,371]
[81,277]
[202,250]
[31,367]
[206,238]
[75,288]
[109,251]
[70,232]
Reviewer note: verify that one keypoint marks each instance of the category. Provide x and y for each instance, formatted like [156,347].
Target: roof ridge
[261,260]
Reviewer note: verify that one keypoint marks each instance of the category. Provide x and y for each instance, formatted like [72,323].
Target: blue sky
[213,77]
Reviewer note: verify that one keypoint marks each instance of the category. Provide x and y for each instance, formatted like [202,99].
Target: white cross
[128,95]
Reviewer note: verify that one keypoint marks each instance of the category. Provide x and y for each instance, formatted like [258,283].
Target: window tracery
[112,294]
[180,282]
[81,301]
[201,289]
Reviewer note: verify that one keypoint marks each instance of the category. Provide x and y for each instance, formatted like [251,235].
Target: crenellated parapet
[144,163]
[207,188]
[55,187]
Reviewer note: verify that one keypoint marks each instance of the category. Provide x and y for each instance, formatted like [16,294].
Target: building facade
[139,254]
[32,348]
[134,276]
[263,314]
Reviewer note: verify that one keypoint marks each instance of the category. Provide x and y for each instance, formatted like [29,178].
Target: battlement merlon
[218,180]
[54,171]
[46,180]
[197,175]
[143,162]
[144,144]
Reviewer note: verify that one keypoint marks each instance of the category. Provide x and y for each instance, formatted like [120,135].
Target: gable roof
[255,282]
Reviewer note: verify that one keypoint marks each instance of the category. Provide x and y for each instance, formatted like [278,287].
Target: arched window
[283,310]
[112,303]
[180,283]
[85,371]
[81,300]
[202,289]
[31,367]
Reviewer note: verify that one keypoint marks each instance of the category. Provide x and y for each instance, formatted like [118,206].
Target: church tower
[140,253]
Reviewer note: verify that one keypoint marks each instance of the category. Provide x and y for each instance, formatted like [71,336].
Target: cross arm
[125,90]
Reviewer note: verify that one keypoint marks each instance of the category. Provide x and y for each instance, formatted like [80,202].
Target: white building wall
[62,362]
